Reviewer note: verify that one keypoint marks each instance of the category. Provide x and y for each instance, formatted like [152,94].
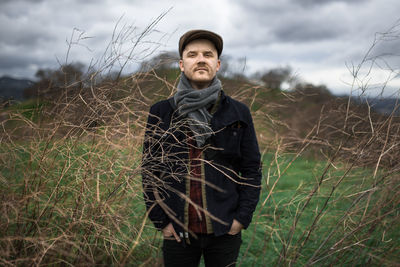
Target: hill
[11,88]
[381,105]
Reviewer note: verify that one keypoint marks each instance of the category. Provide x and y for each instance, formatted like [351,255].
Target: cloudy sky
[320,40]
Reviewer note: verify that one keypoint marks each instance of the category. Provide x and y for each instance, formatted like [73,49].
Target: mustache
[201,68]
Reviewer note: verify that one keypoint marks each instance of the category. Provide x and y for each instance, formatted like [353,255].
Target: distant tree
[52,82]
[162,61]
[233,68]
[274,78]
[318,93]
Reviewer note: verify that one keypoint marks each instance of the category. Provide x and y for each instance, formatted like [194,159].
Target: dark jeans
[218,251]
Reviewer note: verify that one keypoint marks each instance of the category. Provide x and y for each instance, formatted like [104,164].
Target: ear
[218,65]
[181,65]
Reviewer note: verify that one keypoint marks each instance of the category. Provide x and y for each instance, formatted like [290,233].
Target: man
[201,162]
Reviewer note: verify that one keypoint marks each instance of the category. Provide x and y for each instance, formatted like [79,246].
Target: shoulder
[230,111]
[237,106]
[161,107]
[160,114]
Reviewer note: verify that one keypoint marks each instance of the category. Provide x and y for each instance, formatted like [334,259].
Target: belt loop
[182,239]
[187,238]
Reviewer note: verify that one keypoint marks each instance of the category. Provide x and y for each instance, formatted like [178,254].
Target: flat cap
[200,34]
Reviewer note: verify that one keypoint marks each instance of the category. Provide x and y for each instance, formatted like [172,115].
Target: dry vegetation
[71,186]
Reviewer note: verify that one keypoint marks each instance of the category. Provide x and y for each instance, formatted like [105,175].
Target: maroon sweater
[197,220]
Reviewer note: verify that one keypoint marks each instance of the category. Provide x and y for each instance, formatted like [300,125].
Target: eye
[209,54]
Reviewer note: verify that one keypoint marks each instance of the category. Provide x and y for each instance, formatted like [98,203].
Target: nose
[200,57]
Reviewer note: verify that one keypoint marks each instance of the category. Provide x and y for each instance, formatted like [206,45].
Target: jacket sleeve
[151,166]
[250,170]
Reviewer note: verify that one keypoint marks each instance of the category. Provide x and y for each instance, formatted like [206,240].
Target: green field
[76,202]
[310,216]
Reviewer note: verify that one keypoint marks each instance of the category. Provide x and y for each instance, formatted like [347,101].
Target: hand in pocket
[169,233]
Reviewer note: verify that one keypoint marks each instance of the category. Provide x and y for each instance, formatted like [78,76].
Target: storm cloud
[316,38]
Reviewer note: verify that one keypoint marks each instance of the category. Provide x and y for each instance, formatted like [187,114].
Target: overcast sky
[320,40]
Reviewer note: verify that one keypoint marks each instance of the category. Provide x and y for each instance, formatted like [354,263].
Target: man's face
[200,63]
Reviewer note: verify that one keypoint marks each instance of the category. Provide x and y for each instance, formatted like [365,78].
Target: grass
[56,196]
[74,192]
[282,221]
[30,109]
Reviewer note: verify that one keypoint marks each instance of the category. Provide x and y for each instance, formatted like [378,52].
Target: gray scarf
[194,103]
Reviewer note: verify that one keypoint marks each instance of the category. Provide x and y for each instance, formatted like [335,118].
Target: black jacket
[232,166]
